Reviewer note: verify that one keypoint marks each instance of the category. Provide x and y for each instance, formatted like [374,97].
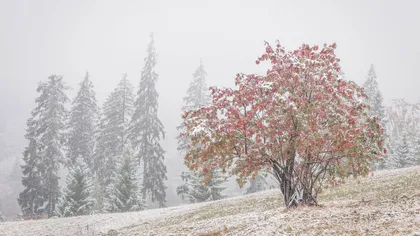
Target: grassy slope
[387,203]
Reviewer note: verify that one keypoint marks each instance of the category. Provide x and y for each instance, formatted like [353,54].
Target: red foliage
[301,110]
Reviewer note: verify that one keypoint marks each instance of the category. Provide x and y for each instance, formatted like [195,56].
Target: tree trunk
[294,190]
[288,191]
[284,179]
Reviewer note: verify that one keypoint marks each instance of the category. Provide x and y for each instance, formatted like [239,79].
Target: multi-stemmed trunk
[296,190]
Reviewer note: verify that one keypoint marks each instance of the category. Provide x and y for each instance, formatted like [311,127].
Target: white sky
[109,38]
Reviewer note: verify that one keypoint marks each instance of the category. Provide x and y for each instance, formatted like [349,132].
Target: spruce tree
[402,153]
[98,194]
[83,115]
[112,136]
[195,190]
[124,193]
[197,97]
[415,135]
[98,165]
[256,184]
[374,95]
[32,197]
[146,131]
[77,198]
[416,145]
[44,153]
[403,128]
[374,100]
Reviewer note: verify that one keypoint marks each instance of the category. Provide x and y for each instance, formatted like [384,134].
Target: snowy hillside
[387,203]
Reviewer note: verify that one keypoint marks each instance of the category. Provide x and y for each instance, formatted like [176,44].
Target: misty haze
[209,117]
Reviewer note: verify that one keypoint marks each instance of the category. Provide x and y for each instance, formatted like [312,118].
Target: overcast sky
[109,38]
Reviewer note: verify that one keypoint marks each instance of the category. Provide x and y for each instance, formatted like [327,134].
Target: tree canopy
[301,122]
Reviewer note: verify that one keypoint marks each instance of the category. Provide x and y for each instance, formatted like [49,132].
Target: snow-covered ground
[387,203]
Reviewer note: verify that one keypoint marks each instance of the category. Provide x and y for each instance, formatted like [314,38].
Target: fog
[109,38]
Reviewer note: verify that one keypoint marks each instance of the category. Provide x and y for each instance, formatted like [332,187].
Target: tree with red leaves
[301,122]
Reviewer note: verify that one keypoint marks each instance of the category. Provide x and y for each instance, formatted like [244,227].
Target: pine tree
[257,184]
[77,199]
[44,153]
[112,136]
[124,194]
[82,120]
[195,190]
[374,95]
[146,131]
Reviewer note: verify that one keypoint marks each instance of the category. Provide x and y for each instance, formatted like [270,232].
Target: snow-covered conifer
[32,197]
[83,115]
[77,197]
[98,194]
[115,117]
[197,97]
[375,98]
[194,190]
[197,189]
[403,126]
[256,184]
[416,148]
[146,131]
[124,194]
[44,154]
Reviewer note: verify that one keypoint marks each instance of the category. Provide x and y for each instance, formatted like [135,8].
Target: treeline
[104,150]
[402,124]
[112,154]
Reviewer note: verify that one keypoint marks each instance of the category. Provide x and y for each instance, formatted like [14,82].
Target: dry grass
[383,186]
[387,203]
